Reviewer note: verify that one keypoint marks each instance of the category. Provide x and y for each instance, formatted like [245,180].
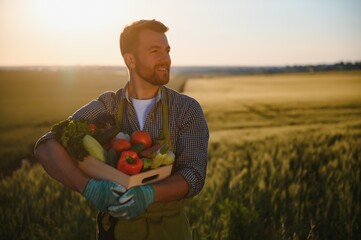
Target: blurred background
[236,33]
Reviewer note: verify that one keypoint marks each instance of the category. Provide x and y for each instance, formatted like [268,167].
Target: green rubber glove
[134,202]
[103,194]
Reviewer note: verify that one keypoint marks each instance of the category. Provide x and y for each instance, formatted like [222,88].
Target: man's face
[152,59]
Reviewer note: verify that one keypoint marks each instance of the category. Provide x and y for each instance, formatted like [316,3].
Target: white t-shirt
[142,108]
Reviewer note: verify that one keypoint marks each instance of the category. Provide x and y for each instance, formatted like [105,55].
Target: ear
[129,60]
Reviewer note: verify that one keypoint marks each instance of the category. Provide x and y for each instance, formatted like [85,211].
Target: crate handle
[148,179]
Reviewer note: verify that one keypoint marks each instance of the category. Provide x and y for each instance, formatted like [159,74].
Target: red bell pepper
[129,163]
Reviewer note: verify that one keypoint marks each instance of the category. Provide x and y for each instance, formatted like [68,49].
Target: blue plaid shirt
[187,125]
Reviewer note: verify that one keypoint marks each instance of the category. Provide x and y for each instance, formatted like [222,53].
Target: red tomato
[92,127]
[141,137]
[121,145]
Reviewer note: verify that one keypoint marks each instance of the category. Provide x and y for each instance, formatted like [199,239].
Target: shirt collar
[125,94]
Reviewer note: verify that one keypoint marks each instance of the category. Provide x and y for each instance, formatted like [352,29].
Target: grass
[303,185]
[284,155]
[33,206]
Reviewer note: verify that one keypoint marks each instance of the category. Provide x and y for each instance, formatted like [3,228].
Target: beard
[153,75]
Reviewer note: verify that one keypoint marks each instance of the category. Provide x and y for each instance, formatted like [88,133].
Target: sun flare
[73,16]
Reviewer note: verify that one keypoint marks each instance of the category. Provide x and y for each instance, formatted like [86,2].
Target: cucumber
[112,158]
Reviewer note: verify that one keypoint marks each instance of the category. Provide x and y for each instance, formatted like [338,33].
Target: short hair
[129,37]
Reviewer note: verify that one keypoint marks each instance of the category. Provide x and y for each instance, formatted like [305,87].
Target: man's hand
[103,194]
[134,202]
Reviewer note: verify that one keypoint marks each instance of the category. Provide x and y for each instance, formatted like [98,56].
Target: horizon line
[181,66]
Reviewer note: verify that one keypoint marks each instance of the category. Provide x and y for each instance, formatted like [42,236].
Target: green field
[284,154]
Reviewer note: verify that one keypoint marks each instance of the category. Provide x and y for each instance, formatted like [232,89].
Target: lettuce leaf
[70,134]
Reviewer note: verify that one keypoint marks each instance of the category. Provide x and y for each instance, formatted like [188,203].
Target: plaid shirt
[188,128]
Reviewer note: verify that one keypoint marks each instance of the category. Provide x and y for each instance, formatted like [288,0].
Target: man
[152,211]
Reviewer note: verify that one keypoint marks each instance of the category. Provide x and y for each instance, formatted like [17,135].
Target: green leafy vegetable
[70,134]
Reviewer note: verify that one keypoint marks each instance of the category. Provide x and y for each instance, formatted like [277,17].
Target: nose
[166,58]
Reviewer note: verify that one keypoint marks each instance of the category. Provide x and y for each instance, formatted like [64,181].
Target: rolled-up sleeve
[192,148]
[45,137]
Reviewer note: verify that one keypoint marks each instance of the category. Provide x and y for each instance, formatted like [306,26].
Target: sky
[201,32]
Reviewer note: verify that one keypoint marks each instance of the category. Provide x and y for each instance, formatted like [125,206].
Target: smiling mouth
[162,69]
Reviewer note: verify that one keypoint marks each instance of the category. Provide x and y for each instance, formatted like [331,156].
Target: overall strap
[119,116]
[165,108]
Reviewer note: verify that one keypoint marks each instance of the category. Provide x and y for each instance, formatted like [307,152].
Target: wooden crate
[149,176]
[101,171]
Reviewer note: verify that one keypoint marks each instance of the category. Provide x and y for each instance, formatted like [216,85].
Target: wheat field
[242,106]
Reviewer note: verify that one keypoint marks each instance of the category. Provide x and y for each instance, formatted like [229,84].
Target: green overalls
[165,220]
